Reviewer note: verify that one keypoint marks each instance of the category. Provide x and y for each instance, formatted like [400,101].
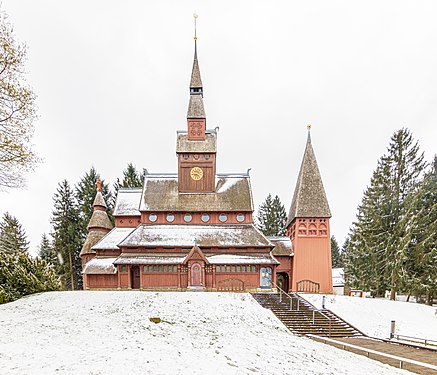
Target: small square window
[233,268]
[243,268]
[238,269]
[159,268]
[253,268]
[145,269]
[155,268]
[165,269]
[175,269]
[123,268]
[228,268]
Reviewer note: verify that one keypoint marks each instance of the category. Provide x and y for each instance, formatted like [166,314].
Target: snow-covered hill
[373,316]
[200,333]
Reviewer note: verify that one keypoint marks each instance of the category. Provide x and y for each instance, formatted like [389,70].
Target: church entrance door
[196,275]
[135,274]
[265,278]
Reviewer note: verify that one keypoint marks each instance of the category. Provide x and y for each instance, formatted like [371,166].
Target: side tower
[98,227]
[197,147]
[308,229]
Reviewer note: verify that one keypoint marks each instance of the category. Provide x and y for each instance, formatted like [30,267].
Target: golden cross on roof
[195,25]
[309,126]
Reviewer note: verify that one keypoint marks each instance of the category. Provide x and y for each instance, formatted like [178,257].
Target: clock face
[196,173]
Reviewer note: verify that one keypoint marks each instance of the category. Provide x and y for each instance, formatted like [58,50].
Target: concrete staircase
[302,318]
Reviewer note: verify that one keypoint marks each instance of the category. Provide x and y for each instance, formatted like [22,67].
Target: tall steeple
[196,117]
[309,199]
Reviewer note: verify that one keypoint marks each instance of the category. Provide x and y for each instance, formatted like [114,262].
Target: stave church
[194,230]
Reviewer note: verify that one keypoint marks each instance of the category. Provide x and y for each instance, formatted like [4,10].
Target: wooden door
[196,275]
[135,272]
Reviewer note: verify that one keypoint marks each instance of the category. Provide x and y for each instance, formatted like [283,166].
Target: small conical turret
[309,199]
[99,223]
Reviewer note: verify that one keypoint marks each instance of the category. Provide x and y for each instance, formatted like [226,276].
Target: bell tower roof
[309,199]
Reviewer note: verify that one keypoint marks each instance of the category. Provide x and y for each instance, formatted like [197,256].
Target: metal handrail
[416,340]
[301,299]
[401,360]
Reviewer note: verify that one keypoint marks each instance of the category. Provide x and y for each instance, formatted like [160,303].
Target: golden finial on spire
[195,25]
[309,126]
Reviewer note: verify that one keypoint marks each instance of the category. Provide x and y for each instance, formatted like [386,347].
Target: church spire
[309,199]
[99,223]
[196,112]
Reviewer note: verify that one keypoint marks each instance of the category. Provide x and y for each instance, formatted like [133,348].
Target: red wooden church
[194,229]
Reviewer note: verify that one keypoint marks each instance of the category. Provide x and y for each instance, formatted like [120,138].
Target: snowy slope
[373,316]
[201,333]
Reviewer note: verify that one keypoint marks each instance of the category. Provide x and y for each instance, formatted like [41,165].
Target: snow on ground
[373,315]
[200,333]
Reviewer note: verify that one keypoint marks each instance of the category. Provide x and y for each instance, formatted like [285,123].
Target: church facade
[194,229]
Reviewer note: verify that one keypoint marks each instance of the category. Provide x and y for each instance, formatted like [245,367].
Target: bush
[21,275]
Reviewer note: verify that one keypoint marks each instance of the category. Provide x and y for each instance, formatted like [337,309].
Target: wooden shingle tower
[308,229]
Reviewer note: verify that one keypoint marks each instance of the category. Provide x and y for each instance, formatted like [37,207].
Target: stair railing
[309,305]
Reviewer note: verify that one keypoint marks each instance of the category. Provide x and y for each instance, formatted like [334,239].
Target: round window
[205,218]
[153,217]
[170,218]
[240,217]
[223,217]
[188,218]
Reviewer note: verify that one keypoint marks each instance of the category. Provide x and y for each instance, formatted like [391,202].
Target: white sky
[112,82]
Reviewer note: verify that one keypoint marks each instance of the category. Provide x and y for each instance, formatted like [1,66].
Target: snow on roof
[338,277]
[242,259]
[128,202]
[112,239]
[149,258]
[100,266]
[232,193]
[239,235]
[283,245]
[209,145]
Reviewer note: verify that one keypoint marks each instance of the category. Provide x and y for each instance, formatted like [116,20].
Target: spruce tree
[85,193]
[335,253]
[67,240]
[378,249]
[12,235]
[131,179]
[421,218]
[271,218]
[47,252]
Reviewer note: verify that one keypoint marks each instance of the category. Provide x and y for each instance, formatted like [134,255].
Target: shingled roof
[232,193]
[283,245]
[195,107]
[98,225]
[309,199]
[241,235]
[209,145]
[196,80]
[128,202]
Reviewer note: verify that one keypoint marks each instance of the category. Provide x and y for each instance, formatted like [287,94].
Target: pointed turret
[309,199]
[98,226]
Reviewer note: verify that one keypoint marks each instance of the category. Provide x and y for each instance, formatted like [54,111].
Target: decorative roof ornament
[99,185]
[309,133]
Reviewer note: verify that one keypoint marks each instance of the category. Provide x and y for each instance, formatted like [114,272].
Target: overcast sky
[112,82]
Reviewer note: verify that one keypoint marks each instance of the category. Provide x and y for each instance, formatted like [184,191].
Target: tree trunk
[408,297]
[393,290]
[71,271]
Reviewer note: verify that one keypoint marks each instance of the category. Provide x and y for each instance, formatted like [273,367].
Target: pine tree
[271,218]
[421,267]
[21,275]
[335,253]
[378,248]
[67,240]
[12,235]
[131,179]
[47,252]
[85,194]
